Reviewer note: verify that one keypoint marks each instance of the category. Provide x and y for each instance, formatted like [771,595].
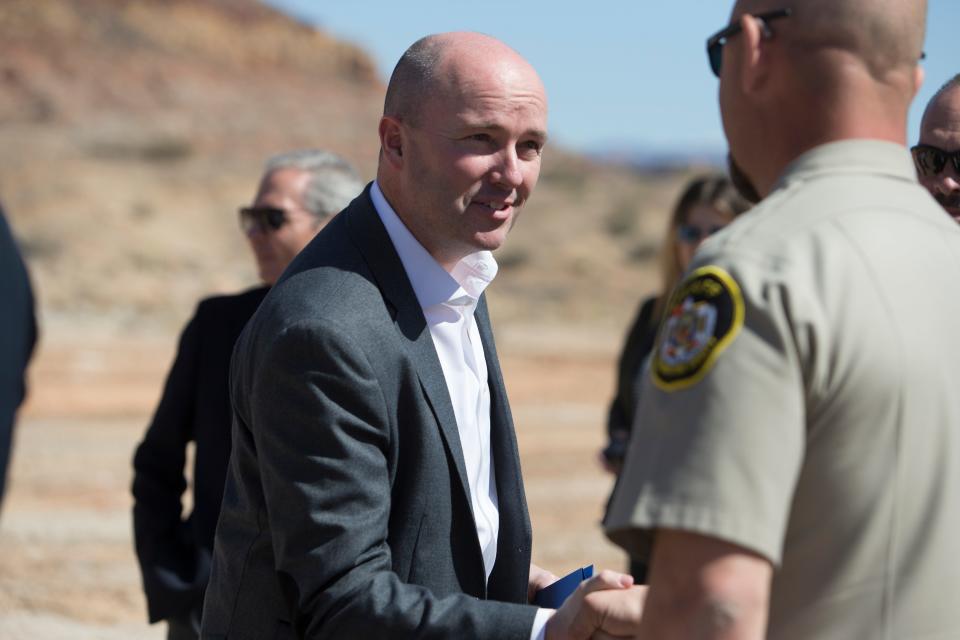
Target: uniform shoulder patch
[703,317]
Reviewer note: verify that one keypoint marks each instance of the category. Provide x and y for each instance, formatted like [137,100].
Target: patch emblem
[704,316]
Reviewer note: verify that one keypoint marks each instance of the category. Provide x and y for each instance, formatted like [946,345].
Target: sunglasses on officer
[262,219]
[931,161]
[716,42]
[691,234]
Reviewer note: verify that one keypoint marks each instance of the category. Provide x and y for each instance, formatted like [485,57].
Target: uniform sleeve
[167,560]
[720,428]
[322,436]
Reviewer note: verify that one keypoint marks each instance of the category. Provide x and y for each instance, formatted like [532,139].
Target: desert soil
[67,567]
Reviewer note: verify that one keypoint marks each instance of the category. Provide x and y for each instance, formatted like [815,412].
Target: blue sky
[620,74]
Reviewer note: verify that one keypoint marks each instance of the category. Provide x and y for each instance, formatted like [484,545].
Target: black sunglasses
[690,234]
[261,219]
[716,42]
[931,161]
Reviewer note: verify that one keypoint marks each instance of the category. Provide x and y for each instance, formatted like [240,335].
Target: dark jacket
[346,512]
[636,348]
[18,334]
[173,551]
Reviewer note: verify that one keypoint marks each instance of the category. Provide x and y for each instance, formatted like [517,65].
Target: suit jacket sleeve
[322,431]
[168,560]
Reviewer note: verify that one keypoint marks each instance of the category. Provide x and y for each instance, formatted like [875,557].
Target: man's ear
[753,55]
[918,77]
[391,141]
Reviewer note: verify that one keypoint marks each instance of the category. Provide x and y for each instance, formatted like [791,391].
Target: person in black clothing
[18,334]
[298,193]
[707,205]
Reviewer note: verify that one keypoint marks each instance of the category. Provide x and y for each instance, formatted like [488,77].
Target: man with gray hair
[795,469]
[299,192]
[937,155]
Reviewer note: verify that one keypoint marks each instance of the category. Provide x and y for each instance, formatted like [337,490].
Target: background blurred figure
[298,193]
[18,333]
[938,155]
[707,204]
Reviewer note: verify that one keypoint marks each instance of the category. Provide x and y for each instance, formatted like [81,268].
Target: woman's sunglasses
[689,234]
[931,161]
[261,219]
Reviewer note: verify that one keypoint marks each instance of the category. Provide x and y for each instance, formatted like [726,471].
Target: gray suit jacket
[346,511]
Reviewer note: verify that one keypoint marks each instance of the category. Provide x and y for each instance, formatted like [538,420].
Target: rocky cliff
[132,129]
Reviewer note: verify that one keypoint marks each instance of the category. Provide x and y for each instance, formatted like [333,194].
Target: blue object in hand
[552,596]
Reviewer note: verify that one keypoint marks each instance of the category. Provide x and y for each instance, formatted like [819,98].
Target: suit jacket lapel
[371,237]
[508,581]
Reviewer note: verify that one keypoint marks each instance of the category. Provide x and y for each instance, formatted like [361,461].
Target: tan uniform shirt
[803,401]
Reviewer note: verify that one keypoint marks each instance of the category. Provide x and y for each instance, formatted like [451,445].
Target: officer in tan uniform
[937,155]
[796,473]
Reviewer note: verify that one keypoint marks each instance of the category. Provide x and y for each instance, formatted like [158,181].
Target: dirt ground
[67,568]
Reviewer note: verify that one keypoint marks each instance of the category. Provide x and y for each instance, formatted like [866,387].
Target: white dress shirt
[448,300]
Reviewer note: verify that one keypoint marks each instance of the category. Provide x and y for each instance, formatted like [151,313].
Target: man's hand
[607,603]
[539,578]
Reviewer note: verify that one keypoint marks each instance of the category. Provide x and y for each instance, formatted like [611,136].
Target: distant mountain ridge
[133,129]
[659,161]
[126,54]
